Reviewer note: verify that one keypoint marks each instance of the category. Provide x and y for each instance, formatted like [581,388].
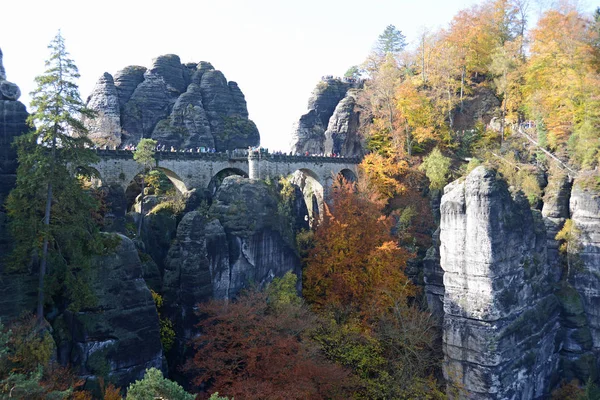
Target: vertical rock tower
[501,317]
[19,292]
[181,105]
[332,121]
[13,117]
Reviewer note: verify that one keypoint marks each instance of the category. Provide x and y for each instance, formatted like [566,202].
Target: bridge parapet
[189,170]
[234,156]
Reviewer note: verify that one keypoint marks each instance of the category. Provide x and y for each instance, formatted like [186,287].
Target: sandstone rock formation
[13,118]
[105,129]
[8,90]
[120,336]
[158,232]
[18,290]
[331,121]
[501,317]
[180,105]
[584,276]
[2,70]
[241,241]
[341,136]
[555,211]
[433,278]
[126,81]
[519,316]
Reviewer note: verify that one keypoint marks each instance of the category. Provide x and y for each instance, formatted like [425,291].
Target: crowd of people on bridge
[199,149]
[231,153]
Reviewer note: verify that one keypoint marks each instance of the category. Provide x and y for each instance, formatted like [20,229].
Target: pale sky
[276,50]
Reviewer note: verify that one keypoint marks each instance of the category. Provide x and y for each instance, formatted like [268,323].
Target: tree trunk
[140,222]
[43,264]
[450,119]
[503,121]
[391,119]
[462,85]
[423,60]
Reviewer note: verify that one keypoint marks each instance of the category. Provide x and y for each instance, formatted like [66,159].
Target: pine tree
[391,41]
[49,208]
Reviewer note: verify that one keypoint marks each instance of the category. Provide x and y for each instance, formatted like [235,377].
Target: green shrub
[167,333]
[282,291]
[436,167]
[174,206]
[155,386]
[215,396]
[473,163]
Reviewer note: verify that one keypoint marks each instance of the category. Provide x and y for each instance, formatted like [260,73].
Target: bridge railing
[236,155]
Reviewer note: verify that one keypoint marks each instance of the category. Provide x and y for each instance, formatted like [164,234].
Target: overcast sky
[276,50]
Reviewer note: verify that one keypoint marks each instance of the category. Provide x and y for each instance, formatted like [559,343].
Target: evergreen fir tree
[50,210]
[391,41]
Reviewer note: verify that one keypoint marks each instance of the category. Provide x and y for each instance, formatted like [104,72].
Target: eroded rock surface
[8,90]
[555,211]
[584,273]
[433,277]
[13,122]
[2,70]
[18,292]
[120,336]
[242,241]
[341,136]
[501,316]
[309,133]
[179,105]
[105,128]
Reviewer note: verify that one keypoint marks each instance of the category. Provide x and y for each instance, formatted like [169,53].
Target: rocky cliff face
[519,316]
[120,336]
[331,123]
[481,106]
[241,241]
[105,129]
[582,344]
[555,211]
[13,117]
[433,278]
[341,136]
[180,105]
[18,290]
[501,318]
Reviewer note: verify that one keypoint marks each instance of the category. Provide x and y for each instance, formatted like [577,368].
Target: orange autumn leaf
[355,262]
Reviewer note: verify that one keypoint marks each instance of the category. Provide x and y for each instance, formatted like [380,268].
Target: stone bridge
[189,170]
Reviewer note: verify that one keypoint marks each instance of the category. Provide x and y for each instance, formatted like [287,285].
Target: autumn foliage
[355,262]
[249,350]
[562,79]
[26,368]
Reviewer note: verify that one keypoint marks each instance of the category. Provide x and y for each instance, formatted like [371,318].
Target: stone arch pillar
[253,164]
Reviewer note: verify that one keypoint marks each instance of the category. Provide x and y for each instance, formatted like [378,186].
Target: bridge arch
[312,189]
[217,178]
[348,175]
[132,187]
[92,174]
[174,178]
